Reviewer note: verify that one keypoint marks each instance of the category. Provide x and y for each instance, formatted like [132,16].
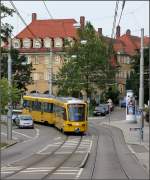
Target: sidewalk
[132,137]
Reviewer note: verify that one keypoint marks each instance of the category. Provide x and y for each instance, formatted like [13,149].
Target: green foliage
[4,89]
[91,67]
[111,93]
[21,71]
[134,79]
[6,28]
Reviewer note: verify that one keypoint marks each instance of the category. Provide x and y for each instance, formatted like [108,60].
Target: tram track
[110,134]
[57,158]
[42,158]
[62,161]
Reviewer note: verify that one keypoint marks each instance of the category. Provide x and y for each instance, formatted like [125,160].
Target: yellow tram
[66,113]
[39,107]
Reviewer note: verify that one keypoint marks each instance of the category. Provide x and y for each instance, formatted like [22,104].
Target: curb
[11,144]
[130,148]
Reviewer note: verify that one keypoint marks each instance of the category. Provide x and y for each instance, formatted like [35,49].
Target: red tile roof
[49,28]
[132,43]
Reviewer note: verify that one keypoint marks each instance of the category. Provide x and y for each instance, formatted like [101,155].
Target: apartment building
[42,42]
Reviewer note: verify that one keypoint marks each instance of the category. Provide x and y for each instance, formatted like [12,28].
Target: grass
[3,144]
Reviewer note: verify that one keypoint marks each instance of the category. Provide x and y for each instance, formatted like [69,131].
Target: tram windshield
[76,112]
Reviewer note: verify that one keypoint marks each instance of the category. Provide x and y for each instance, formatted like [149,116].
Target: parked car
[24,121]
[123,103]
[99,111]
[105,106]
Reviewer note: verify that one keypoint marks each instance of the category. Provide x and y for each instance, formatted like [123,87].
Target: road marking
[49,145]
[6,135]
[7,172]
[61,171]
[90,145]
[66,173]
[33,138]
[79,173]
[9,168]
[22,134]
[57,138]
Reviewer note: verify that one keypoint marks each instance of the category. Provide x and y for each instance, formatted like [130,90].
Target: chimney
[117,31]
[82,21]
[100,31]
[33,16]
[128,32]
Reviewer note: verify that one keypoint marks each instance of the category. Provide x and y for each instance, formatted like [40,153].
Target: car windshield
[99,108]
[25,118]
[76,112]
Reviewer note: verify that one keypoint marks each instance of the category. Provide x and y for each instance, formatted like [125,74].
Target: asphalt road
[109,157]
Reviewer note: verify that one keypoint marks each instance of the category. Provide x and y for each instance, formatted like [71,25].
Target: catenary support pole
[141,89]
[50,73]
[9,114]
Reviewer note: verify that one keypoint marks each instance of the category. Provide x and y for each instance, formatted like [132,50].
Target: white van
[24,121]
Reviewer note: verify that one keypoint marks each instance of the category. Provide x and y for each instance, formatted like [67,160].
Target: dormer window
[47,42]
[58,42]
[37,43]
[26,43]
[16,43]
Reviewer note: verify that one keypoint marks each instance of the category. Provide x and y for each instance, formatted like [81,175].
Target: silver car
[24,121]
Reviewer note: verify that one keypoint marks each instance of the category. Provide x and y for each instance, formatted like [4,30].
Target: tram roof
[40,95]
[59,98]
[69,99]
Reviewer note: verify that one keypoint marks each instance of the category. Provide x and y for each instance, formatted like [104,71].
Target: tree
[91,67]
[6,28]
[111,93]
[134,79]
[15,93]
[21,71]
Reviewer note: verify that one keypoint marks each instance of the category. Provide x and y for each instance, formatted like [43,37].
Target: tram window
[76,112]
[61,112]
[26,104]
[36,106]
[48,107]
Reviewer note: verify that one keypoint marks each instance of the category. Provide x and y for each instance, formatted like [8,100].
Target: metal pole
[50,73]
[141,89]
[9,114]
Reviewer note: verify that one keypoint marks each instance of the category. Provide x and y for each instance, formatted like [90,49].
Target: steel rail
[109,132]
[63,161]
[38,160]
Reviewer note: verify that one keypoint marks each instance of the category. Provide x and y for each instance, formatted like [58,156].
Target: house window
[41,76]
[16,43]
[28,59]
[37,43]
[58,42]
[57,59]
[47,42]
[26,43]
[35,60]
[128,60]
[46,76]
[46,59]
[35,76]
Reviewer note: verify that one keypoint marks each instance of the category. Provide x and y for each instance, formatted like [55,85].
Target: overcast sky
[99,13]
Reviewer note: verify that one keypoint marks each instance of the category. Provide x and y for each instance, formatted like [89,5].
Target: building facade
[42,42]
